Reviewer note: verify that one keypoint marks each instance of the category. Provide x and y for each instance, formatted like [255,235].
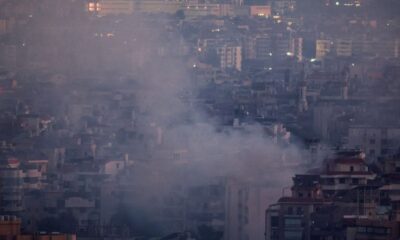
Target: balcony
[336,187]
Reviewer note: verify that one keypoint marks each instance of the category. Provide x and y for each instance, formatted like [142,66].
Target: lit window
[91,7]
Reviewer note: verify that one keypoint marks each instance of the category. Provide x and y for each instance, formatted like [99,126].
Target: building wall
[342,167]
[113,167]
[110,7]
[358,47]
[8,56]
[245,211]
[260,11]
[323,47]
[201,10]
[157,6]
[289,220]
[263,47]
[9,226]
[230,57]
[374,141]
[10,229]
[3,26]
[343,47]
[11,180]
[284,6]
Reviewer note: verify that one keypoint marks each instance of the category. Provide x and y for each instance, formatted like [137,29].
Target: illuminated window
[91,7]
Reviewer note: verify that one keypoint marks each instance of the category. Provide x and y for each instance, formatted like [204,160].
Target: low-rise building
[10,228]
[290,217]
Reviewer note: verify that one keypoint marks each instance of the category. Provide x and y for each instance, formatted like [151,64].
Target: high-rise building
[284,6]
[263,47]
[323,48]
[229,206]
[208,9]
[110,7]
[230,57]
[289,218]
[157,6]
[8,56]
[260,10]
[343,47]
[374,140]
[115,7]
[237,2]
[11,188]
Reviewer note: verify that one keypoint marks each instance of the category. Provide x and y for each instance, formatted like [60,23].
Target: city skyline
[200,119]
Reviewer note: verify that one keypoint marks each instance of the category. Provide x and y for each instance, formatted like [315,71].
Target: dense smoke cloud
[205,150]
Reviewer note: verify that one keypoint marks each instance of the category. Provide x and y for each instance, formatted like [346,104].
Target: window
[384,132]
[355,181]
[274,234]
[361,229]
[293,234]
[342,180]
[299,211]
[290,210]
[351,168]
[330,181]
[292,222]
[377,230]
[372,141]
[313,150]
[274,221]
[372,152]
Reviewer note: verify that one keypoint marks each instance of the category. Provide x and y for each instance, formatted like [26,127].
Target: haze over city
[200,119]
